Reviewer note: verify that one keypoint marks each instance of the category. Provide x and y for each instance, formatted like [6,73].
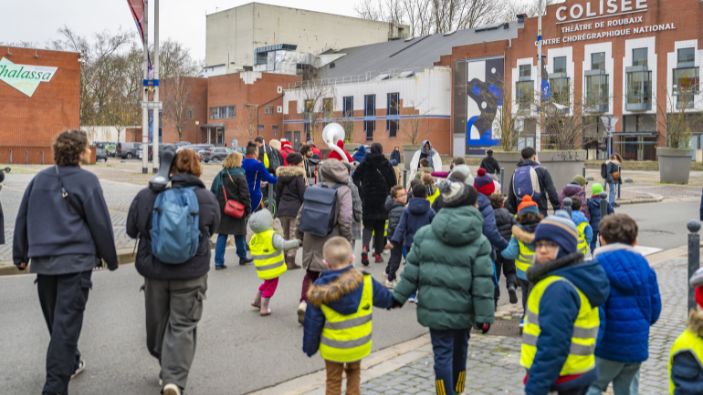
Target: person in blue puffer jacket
[633,306]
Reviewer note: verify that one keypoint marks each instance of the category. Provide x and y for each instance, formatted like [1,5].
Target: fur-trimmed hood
[523,235]
[695,322]
[332,287]
[290,171]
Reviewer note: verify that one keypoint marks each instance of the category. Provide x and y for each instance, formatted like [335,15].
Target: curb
[652,199]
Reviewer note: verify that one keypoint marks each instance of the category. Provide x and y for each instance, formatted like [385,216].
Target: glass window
[308,106]
[524,94]
[327,106]
[686,56]
[639,89]
[230,112]
[392,120]
[639,57]
[369,105]
[598,61]
[268,109]
[686,86]
[369,127]
[560,64]
[525,71]
[348,106]
[190,114]
[560,90]
[214,112]
[597,93]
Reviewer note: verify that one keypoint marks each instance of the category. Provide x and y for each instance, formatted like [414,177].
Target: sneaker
[171,389]
[365,257]
[79,369]
[378,258]
[512,293]
[389,284]
[301,312]
[412,299]
[220,267]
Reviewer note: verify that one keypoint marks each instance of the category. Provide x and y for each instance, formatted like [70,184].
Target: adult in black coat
[490,163]
[290,191]
[546,185]
[375,177]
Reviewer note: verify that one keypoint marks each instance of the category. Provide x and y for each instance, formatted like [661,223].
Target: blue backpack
[174,226]
[319,210]
[526,182]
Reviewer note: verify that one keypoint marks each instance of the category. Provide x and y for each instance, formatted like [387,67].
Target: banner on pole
[137,9]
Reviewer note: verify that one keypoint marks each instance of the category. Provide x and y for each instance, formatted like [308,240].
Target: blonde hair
[337,251]
[233,160]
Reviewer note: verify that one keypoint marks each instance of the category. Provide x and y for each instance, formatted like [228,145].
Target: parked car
[219,154]
[204,151]
[129,150]
[100,154]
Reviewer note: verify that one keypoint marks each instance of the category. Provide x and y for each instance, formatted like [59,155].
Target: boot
[265,310]
[512,293]
[365,256]
[257,301]
[290,262]
[301,312]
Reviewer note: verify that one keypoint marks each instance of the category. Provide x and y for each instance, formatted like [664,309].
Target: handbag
[233,208]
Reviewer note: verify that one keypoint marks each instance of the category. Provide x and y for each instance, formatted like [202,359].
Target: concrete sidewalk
[493,363]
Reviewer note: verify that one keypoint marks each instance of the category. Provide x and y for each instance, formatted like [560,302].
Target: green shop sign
[23,77]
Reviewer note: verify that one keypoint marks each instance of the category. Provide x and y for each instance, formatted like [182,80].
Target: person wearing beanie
[686,356]
[286,149]
[561,323]
[521,247]
[505,222]
[484,183]
[290,190]
[576,189]
[334,155]
[633,306]
[595,211]
[449,264]
[543,192]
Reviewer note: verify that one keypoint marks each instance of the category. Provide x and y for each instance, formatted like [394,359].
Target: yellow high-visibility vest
[525,257]
[582,243]
[268,261]
[431,198]
[687,341]
[581,357]
[347,338]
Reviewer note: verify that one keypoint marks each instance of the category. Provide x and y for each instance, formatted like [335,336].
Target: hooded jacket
[374,178]
[559,307]
[395,212]
[505,222]
[360,154]
[594,211]
[578,219]
[415,216]
[490,229]
[334,155]
[450,267]
[290,190]
[341,291]
[286,149]
[237,189]
[613,166]
[256,172]
[546,185]
[633,306]
[686,372]
[332,173]
[139,227]
[574,191]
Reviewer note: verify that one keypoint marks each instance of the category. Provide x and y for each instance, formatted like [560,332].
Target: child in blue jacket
[594,210]
[633,306]
[342,295]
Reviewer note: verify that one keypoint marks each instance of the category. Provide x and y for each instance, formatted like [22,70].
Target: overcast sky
[37,21]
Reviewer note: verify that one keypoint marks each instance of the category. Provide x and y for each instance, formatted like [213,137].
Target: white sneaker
[171,389]
[79,369]
[301,312]
[389,284]
[412,299]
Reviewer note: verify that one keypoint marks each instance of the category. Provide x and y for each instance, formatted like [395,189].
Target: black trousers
[394,262]
[377,227]
[63,299]
[507,267]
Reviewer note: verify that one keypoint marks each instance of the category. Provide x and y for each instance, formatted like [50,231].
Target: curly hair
[186,161]
[233,160]
[68,147]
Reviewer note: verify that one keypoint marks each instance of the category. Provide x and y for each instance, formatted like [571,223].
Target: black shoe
[246,261]
[512,294]
[365,258]
[220,267]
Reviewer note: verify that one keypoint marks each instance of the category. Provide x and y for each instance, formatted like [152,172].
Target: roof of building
[413,54]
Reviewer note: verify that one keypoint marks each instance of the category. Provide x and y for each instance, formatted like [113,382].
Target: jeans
[63,299]
[624,376]
[594,241]
[239,241]
[612,193]
[377,228]
[450,348]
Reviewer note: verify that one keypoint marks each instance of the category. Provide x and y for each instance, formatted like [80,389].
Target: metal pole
[502,180]
[566,205]
[145,97]
[405,178]
[603,206]
[156,108]
[538,130]
[694,259]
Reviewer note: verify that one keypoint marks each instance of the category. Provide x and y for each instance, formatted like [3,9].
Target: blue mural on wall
[485,91]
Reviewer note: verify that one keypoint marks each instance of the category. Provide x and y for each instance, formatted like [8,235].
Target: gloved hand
[483,327]
[396,304]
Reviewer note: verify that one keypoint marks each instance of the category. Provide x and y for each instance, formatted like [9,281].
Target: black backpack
[604,170]
[319,210]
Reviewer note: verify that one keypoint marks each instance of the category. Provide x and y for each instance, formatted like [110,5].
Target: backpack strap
[72,201]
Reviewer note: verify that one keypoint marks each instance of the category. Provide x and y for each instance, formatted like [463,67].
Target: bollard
[405,178]
[10,156]
[583,172]
[566,205]
[502,180]
[603,206]
[694,259]
[26,157]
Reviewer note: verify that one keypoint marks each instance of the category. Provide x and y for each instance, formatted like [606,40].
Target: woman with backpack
[175,279]
[230,185]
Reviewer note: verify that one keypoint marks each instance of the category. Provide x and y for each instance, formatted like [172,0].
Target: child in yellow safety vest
[267,251]
[583,226]
[338,320]
[686,357]
[521,247]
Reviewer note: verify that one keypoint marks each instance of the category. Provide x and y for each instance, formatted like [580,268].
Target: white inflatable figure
[332,133]
[431,155]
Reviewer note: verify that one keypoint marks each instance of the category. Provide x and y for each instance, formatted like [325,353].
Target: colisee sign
[23,77]
[599,9]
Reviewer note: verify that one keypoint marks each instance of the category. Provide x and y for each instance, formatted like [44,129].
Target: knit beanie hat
[527,205]
[454,194]
[466,171]
[559,230]
[579,180]
[484,183]
[697,283]
[294,158]
[597,189]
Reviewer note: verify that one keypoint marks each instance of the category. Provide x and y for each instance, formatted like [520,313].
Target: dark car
[203,150]
[129,150]
[100,154]
[218,154]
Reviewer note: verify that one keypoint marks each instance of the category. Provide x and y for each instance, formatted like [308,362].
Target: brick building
[39,97]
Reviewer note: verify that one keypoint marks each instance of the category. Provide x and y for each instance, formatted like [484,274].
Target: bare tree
[176,66]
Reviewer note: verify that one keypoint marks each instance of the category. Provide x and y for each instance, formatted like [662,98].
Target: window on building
[230,112]
[308,108]
[639,57]
[525,72]
[560,65]
[597,93]
[214,112]
[639,90]
[369,116]
[327,109]
[686,86]
[393,119]
[348,106]
[189,115]
[686,57]
[560,90]
[598,61]
[268,109]
[524,95]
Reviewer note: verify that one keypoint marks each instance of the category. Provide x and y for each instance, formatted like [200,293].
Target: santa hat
[334,155]
[484,183]
[697,283]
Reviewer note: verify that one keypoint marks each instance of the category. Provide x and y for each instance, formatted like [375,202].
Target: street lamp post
[538,129]
[156,107]
[145,97]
